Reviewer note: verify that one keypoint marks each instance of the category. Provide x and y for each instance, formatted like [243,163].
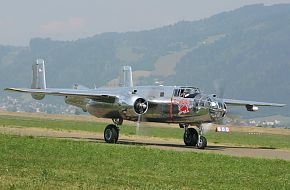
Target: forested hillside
[243,54]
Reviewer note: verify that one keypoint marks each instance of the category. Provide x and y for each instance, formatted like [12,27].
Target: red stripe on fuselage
[170,111]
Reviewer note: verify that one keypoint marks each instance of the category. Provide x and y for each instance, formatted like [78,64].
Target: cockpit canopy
[186,92]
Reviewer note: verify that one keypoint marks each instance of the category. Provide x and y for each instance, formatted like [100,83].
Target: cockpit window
[192,95]
[176,92]
[185,92]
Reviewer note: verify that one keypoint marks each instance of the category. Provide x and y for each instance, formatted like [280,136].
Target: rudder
[127,79]
[38,78]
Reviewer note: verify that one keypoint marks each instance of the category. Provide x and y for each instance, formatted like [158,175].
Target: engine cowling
[140,106]
[252,108]
[38,96]
[217,109]
[132,107]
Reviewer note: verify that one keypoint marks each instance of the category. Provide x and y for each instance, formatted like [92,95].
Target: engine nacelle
[252,108]
[132,107]
[77,101]
[37,96]
[128,107]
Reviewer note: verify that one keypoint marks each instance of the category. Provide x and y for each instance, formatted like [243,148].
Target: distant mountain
[243,54]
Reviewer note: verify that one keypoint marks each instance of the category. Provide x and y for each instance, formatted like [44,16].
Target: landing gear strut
[117,121]
[202,142]
[183,125]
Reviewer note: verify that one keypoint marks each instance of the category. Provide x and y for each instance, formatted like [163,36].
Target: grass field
[235,138]
[41,163]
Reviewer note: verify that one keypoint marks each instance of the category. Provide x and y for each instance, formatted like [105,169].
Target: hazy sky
[21,20]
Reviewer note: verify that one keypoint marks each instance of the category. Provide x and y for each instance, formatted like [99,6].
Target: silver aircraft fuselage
[166,104]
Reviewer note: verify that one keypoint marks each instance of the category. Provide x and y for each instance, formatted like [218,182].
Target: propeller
[140,129]
[206,127]
[140,107]
[138,124]
[219,89]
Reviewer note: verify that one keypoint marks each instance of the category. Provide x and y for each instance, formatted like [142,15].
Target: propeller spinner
[140,106]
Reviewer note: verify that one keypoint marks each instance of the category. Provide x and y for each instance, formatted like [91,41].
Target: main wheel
[202,143]
[190,137]
[111,134]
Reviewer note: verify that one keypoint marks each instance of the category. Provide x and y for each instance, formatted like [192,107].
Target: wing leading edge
[232,102]
[84,93]
[106,97]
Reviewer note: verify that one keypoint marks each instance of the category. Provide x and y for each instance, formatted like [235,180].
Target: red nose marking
[183,109]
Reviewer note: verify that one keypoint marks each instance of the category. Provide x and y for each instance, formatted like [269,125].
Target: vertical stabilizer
[38,78]
[127,77]
[38,75]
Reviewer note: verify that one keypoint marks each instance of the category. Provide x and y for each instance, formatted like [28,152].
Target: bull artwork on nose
[183,109]
[183,106]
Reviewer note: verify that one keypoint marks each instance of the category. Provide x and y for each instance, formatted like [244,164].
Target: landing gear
[193,138]
[183,125]
[117,121]
[190,136]
[111,134]
[202,142]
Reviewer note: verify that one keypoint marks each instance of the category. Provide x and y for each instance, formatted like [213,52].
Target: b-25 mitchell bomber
[183,105]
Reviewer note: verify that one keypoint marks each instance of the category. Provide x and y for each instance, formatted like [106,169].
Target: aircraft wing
[84,93]
[232,102]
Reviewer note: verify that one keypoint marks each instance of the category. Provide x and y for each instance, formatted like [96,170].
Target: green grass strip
[42,163]
[235,138]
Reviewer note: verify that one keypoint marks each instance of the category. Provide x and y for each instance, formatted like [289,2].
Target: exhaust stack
[38,78]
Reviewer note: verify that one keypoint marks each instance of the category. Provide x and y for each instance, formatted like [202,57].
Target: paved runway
[166,144]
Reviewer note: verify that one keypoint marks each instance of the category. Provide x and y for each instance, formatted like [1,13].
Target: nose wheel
[202,142]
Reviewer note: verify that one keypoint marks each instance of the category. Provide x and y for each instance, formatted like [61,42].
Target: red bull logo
[183,109]
[182,105]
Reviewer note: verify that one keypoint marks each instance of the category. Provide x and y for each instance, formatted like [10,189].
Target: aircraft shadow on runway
[169,145]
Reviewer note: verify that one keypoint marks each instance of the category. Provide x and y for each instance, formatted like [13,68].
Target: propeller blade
[206,127]
[138,125]
[219,89]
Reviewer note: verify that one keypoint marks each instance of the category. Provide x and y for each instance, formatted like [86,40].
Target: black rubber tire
[202,144]
[190,137]
[111,134]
